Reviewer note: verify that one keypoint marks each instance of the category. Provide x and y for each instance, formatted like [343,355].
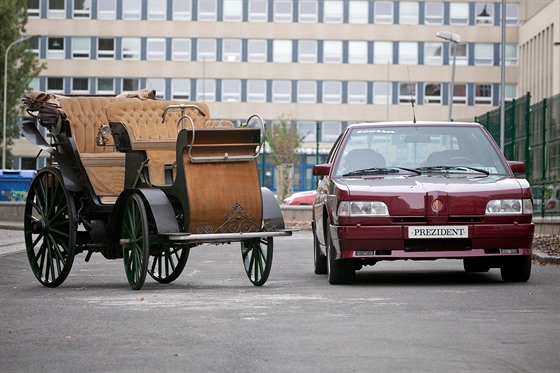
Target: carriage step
[224,237]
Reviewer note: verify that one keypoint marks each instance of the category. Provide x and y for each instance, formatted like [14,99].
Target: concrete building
[323,64]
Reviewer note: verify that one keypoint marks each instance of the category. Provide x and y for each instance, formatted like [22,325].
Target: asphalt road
[401,316]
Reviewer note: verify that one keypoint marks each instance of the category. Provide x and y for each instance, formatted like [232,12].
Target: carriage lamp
[102,138]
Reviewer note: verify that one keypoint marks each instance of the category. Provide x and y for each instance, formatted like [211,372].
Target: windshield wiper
[448,168]
[381,171]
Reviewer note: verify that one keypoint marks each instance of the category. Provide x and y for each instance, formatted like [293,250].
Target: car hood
[405,195]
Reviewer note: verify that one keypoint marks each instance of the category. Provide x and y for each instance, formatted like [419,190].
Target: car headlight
[509,206]
[362,208]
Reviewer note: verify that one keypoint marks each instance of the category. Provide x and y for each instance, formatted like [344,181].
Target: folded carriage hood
[411,195]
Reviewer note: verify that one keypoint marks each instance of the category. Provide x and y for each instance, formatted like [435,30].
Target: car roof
[409,123]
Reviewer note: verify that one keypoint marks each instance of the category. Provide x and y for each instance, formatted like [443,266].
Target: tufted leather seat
[143,123]
[103,164]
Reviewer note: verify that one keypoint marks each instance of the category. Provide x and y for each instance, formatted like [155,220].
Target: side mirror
[321,169]
[517,167]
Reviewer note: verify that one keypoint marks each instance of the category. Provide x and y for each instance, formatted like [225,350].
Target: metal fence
[532,135]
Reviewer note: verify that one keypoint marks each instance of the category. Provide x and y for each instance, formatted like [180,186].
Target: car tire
[340,272]
[320,260]
[475,265]
[516,269]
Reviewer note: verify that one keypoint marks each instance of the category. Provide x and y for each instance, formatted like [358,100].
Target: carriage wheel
[256,260]
[50,229]
[135,241]
[167,265]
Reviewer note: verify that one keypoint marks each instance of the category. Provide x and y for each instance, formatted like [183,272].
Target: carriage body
[144,180]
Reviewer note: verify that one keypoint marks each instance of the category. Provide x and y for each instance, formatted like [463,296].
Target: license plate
[435,231]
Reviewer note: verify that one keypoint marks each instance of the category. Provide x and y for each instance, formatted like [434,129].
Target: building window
[105,85]
[332,51]
[233,10]
[511,54]
[206,90]
[307,51]
[433,13]
[55,85]
[157,9]
[433,54]
[462,57]
[408,13]
[332,11]
[358,12]
[231,50]
[182,10]
[55,48]
[483,54]
[512,14]
[206,50]
[130,84]
[283,11]
[381,93]
[207,10]
[357,52]
[307,129]
[510,92]
[256,50]
[131,48]
[81,47]
[458,13]
[308,11]
[383,12]
[407,92]
[460,94]
[180,89]
[34,45]
[282,51]
[181,49]
[408,53]
[105,48]
[131,9]
[158,85]
[256,90]
[155,49]
[382,52]
[106,9]
[33,8]
[80,85]
[56,9]
[432,93]
[281,91]
[332,92]
[231,90]
[484,13]
[483,94]
[258,10]
[81,9]
[330,130]
[306,92]
[357,93]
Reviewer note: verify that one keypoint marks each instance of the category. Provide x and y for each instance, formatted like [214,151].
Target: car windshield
[414,149]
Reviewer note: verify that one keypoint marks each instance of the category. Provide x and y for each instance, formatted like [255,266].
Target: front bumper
[392,242]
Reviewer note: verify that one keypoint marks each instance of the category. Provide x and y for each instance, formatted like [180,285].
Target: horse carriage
[144,180]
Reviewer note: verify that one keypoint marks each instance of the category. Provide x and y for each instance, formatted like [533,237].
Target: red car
[304,198]
[421,191]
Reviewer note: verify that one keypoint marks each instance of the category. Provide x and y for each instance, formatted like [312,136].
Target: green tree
[22,65]
[283,139]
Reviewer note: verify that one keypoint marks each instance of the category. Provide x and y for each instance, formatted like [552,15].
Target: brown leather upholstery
[103,164]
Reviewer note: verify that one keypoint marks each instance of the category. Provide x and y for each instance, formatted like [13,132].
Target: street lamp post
[6,97]
[455,39]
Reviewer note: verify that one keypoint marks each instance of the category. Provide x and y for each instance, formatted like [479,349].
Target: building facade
[322,64]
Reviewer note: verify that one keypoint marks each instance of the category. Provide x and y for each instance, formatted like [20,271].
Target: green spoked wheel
[135,241]
[167,264]
[257,258]
[50,228]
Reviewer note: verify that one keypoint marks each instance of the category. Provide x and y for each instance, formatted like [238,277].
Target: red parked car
[421,191]
[304,198]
